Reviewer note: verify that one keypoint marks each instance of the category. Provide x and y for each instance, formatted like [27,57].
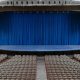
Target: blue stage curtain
[31,28]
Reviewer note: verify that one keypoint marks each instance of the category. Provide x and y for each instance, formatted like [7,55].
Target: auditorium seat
[2,57]
[77,57]
[19,68]
[62,68]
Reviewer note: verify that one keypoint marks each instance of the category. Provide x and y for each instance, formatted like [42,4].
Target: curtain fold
[49,28]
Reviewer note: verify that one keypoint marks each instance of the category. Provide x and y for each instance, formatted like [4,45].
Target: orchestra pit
[39,39]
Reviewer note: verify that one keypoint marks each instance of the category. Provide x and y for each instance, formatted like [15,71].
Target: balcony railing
[38,2]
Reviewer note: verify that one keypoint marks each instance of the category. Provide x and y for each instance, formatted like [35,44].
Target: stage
[40,47]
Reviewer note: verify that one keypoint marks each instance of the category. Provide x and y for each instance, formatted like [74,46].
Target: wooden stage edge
[41,8]
[40,53]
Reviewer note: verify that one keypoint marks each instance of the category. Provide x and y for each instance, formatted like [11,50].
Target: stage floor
[39,47]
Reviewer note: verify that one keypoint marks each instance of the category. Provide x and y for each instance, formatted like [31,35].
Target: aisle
[41,70]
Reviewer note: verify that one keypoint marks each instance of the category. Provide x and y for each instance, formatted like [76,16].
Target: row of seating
[19,68]
[62,68]
[77,56]
[2,57]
